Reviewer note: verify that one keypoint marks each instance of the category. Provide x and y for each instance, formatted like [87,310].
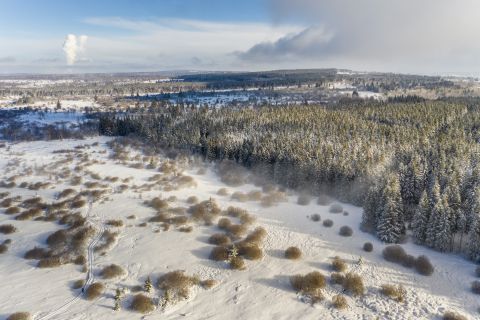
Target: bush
[250,251]
[219,239]
[19,316]
[311,283]
[408,261]
[396,293]
[223,192]
[394,253]
[29,214]
[450,315]
[293,253]
[192,200]
[336,208]
[423,266]
[327,223]
[78,204]
[237,230]
[353,283]
[256,236]
[94,291]
[346,231]
[3,248]
[315,217]
[58,238]
[237,263]
[12,210]
[338,264]
[368,247]
[36,254]
[80,260]
[177,284]
[141,303]
[304,200]
[7,229]
[78,284]
[337,278]
[112,271]
[114,223]
[476,287]
[158,204]
[51,262]
[208,284]
[219,254]
[224,223]
[339,302]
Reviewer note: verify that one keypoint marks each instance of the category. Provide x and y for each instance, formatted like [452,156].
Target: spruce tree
[390,225]
[420,219]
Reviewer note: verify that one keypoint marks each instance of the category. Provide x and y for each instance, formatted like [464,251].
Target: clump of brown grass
[77,284]
[157,203]
[66,193]
[142,303]
[114,223]
[338,264]
[249,251]
[19,316]
[94,291]
[219,239]
[3,248]
[309,284]
[293,253]
[219,254]
[7,229]
[112,271]
[51,262]
[353,283]
[192,200]
[12,210]
[36,254]
[29,214]
[224,223]
[337,278]
[397,293]
[237,263]
[177,284]
[339,302]
[209,283]
[257,236]
[186,229]
[451,315]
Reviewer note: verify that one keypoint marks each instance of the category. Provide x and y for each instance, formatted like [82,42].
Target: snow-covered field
[262,291]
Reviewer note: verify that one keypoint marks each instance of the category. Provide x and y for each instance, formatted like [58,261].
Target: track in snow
[90,259]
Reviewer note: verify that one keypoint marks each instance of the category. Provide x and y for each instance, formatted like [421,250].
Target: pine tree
[420,219]
[474,240]
[443,240]
[390,224]
[148,285]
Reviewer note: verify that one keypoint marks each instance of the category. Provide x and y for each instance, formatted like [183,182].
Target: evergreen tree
[420,219]
[390,225]
[474,240]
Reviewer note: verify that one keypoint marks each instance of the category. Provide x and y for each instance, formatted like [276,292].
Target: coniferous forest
[414,167]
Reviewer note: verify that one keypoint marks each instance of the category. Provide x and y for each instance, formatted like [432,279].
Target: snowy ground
[262,291]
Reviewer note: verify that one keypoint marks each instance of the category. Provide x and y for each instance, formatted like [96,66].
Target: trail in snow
[92,219]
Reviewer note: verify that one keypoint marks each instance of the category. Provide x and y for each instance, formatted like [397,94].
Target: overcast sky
[411,36]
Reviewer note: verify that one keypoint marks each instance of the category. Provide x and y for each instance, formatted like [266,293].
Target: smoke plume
[73,47]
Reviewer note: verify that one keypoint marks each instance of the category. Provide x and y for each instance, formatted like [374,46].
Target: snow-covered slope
[262,291]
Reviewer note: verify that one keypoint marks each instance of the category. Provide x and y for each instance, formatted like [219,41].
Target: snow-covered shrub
[177,284]
[94,291]
[315,217]
[293,253]
[142,303]
[339,302]
[112,271]
[304,200]
[353,283]
[423,266]
[368,247]
[346,231]
[336,208]
[409,261]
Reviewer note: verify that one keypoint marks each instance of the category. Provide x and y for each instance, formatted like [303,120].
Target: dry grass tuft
[337,278]
[177,284]
[209,284]
[142,303]
[7,229]
[94,291]
[51,262]
[114,223]
[397,293]
[293,253]
[353,283]
[77,284]
[3,248]
[219,239]
[424,266]
[338,264]
[310,284]
[339,302]
[12,210]
[36,254]
[237,263]
[219,254]
[450,315]
[249,251]
[257,236]
[19,316]
[112,271]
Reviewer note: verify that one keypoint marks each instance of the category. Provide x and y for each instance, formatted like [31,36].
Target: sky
[76,36]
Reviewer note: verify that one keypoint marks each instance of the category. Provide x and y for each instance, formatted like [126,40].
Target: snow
[260,292]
